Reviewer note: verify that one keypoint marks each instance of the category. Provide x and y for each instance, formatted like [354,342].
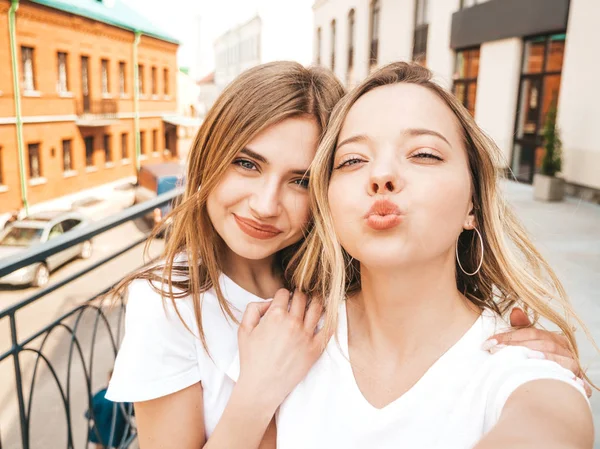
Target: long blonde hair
[259,98]
[513,271]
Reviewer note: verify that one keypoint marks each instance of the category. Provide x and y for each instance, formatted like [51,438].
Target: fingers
[588,388]
[313,315]
[518,318]
[531,333]
[281,300]
[542,346]
[298,306]
[252,315]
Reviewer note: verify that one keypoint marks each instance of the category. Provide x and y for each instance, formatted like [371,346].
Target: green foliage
[552,162]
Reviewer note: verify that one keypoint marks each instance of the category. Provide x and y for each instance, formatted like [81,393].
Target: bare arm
[545,414]
[275,354]
[177,421]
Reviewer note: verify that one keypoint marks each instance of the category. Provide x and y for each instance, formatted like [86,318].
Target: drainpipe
[136,101]
[17,98]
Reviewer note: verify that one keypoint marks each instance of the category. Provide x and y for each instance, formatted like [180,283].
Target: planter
[548,188]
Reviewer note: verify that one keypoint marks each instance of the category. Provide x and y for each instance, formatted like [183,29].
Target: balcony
[58,344]
[95,113]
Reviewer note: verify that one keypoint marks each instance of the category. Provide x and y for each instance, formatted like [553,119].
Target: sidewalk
[568,235]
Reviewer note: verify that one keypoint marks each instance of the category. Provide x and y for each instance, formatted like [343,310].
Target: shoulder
[511,368]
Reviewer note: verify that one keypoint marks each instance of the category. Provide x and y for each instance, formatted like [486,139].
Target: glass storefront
[539,90]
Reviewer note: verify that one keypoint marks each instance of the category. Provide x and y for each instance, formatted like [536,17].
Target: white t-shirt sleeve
[512,369]
[158,355]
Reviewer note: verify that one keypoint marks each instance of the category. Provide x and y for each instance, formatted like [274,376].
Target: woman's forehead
[388,110]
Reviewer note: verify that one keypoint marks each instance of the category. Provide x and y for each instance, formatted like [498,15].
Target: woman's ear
[470,221]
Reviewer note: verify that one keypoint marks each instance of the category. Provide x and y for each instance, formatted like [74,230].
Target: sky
[197,23]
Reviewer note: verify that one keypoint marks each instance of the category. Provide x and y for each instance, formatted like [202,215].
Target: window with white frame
[122,78]
[62,85]
[105,76]
[35,163]
[28,80]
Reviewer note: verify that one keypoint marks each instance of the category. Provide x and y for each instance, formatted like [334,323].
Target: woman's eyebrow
[415,132]
[255,155]
[352,139]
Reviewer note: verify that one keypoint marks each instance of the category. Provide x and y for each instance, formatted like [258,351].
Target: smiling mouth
[255,229]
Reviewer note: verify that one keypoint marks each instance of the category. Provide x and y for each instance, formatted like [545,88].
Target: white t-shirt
[159,356]
[451,407]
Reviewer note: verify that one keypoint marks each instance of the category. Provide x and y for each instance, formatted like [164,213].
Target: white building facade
[280,30]
[508,61]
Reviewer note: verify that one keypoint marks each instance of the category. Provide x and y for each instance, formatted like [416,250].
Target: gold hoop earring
[480,262]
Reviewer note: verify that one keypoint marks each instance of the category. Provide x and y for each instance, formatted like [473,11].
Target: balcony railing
[53,370]
[96,112]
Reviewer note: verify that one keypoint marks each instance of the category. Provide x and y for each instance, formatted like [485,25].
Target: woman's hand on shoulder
[544,345]
[279,344]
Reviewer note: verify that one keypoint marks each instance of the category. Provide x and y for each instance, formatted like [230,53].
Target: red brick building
[76,64]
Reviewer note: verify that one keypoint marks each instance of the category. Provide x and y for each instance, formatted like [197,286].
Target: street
[47,417]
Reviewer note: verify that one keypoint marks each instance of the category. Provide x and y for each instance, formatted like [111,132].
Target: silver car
[35,230]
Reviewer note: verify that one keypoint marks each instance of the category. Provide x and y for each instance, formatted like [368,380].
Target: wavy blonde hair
[259,98]
[513,271]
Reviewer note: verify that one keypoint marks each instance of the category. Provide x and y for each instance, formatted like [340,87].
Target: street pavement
[567,234]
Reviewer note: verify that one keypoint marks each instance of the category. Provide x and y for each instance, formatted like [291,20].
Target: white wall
[579,101]
[440,58]
[396,30]
[497,91]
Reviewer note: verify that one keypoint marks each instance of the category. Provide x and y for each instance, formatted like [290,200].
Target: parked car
[36,230]
[154,180]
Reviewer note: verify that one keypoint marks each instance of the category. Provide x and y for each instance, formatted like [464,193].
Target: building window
[27,69]
[141,79]
[124,150]
[166,81]
[374,33]
[351,22]
[105,80]
[420,33]
[465,78]
[333,45]
[538,93]
[89,151]
[155,140]
[107,149]
[122,79]
[318,59]
[67,155]
[62,84]
[85,83]
[2,182]
[154,81]
[35,163]
[142,142]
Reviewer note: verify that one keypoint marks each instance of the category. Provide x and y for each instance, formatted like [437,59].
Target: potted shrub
[546,185]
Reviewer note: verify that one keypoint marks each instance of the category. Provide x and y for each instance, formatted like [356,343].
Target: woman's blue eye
[246,164]
[349,162]
[302,182]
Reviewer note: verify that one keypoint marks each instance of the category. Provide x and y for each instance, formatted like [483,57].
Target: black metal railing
[91,329]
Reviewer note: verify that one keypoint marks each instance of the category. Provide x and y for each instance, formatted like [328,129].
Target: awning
[181,120]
